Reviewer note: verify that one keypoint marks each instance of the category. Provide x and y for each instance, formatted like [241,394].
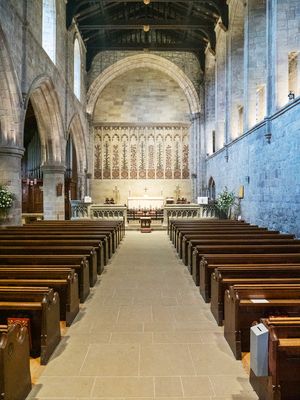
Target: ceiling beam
[138,24]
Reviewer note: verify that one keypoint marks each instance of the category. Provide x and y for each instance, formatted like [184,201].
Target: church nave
[144,333]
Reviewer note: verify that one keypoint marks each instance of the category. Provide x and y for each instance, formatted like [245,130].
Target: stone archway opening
[43,100]
[76,165]
[124,70]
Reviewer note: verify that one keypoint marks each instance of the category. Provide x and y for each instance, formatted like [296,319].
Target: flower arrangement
[224,202]
[6,199]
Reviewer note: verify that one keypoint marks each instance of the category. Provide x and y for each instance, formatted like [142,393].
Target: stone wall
[27,73]
[141,123]
[272,196]
[142,95]
[186,61]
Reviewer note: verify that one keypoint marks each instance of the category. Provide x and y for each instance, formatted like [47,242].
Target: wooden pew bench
[64,281]
[225,276]
[179,224]
[209,262]
[68,239]
[238,249]
[244,304]
[15,379]
[282,383]
[58,234]
[59,231]
[96,244]
[218,230]
[189,242]
[78,263]
[82,251]
[41,306]
[215,230]
[118,226]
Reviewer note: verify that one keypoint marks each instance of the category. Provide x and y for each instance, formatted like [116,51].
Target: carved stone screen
[141,152]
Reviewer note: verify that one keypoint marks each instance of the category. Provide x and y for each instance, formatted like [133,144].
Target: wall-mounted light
[146,2]
[291,95]
[146,28]
[268,137]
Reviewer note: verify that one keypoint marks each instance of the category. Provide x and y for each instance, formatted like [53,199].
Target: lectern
[145,224]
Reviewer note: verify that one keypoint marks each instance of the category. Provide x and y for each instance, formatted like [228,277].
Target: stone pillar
[255,63]
[272,56]
[246,66]
[198,165]
[10,175]
[54,191]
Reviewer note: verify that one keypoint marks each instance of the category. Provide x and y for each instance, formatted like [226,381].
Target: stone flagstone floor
[144,333]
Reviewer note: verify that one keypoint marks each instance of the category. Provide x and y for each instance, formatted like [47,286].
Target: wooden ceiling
[147,24]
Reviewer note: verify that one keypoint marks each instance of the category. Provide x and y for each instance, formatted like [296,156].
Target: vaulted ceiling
[147,24]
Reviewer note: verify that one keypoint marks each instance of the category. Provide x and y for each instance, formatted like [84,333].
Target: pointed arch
[45,102]
[140,61]
[77,132]
[212,188]
[10,98]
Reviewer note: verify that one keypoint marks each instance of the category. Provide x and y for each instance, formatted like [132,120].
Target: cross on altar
[146,190]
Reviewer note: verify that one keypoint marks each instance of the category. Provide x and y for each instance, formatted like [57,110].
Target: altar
[145,203]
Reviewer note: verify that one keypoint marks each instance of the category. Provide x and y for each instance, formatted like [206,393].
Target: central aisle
[144,333]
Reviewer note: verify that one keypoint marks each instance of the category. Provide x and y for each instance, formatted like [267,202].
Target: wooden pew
[78,263]
[240,310]
[118,226]
[189,242]
[64,281]
[15,379]
[276,255]
[96,244]
[218,230]
[225,276]
[283,361]
[41,305]
[176,223]
[83,251]
[70,234]
[89,240]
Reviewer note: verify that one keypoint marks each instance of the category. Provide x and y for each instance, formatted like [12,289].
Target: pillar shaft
[10,176]
[54,191]
[198,166]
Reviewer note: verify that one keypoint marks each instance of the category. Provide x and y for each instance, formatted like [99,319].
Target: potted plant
[224,202]
[6,202]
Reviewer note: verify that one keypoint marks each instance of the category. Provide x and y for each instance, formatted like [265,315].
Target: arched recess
[76,164]
[211,189]
[10,98]
[77,133]
[44,99]
[140,61]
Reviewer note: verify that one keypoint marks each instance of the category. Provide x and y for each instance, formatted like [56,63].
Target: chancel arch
[145,108]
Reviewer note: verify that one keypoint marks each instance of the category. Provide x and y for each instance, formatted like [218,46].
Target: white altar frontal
[145,203]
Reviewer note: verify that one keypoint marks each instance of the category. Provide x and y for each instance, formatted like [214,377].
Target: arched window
[49,28]
[77,69]
[211,189]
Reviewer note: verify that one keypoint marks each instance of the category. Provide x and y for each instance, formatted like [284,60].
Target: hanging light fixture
[146,2]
